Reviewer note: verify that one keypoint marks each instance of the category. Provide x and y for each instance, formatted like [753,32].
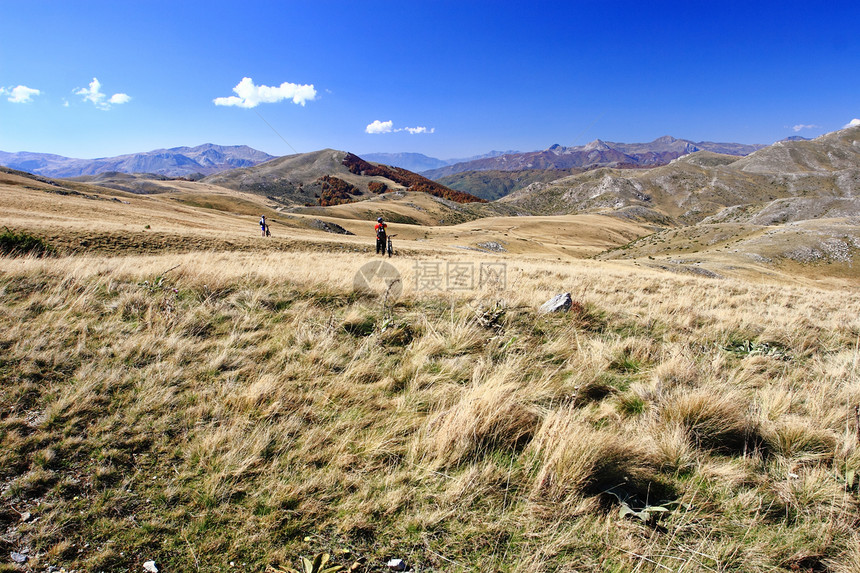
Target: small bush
[377,187]
[22,244]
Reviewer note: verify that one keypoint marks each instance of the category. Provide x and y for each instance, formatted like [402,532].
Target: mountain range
[196,162]
[704,184]
[208,159]
[598,153]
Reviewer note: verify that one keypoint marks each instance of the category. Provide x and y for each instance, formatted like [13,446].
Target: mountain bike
[388,247]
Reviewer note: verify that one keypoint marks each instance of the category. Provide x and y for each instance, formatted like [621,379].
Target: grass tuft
[718,421]
[573,459]
[491,415]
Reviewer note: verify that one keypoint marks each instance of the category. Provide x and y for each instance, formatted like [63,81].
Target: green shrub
[21,244]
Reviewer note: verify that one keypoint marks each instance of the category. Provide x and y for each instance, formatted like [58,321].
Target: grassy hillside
[207,409]
[197,216]
[834,151]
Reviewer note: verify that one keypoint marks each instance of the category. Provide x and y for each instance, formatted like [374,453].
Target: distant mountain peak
[597,145]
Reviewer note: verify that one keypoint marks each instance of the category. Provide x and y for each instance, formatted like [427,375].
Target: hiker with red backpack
[380,236]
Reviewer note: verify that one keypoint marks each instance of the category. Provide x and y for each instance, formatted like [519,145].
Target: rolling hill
[791,206]
[180,391]
[329,177]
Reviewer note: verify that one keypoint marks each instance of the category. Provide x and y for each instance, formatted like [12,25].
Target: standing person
[380,236]
[263,226]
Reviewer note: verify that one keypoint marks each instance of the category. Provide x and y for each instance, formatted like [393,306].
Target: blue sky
[443,78]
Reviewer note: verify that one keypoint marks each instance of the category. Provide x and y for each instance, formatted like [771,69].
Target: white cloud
[94,94]
[380,127]
[120,98]
[800,126]
[388,127]
[20,94]
[249,95]
[853,123]
[414,130]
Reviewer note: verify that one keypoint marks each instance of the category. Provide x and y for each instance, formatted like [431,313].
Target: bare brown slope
[831,153]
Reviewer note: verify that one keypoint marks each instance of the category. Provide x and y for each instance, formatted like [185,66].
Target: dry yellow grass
[246,393]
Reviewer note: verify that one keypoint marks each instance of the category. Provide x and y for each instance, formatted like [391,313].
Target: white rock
[18,557]
[558,303]
[150,566]
[396,565]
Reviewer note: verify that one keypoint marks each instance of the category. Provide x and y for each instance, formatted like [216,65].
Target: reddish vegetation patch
[377,187]
[412,181]
[336,191]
